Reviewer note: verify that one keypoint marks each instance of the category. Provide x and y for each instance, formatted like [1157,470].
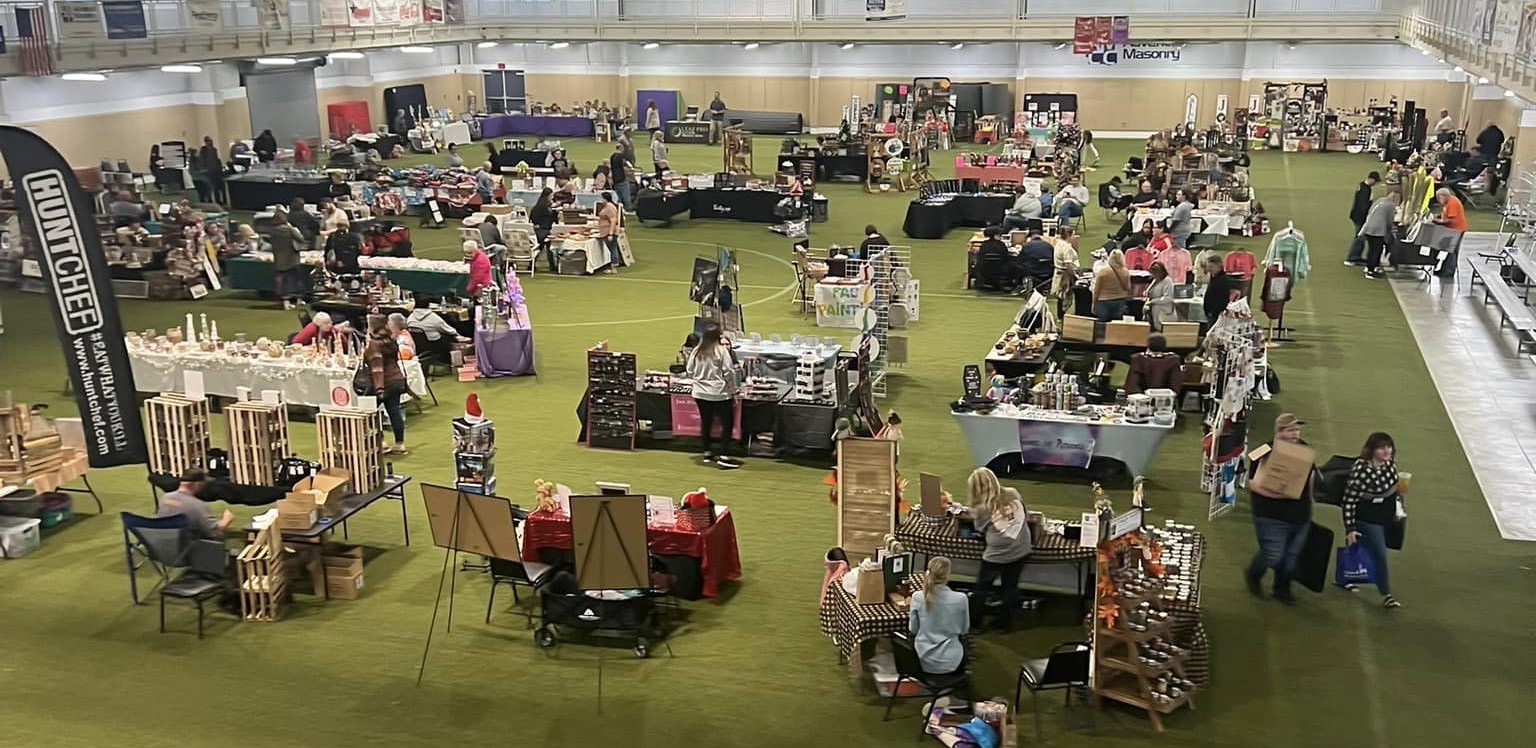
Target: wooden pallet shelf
[353,441]
[258,441]
[178,433]
[263,578]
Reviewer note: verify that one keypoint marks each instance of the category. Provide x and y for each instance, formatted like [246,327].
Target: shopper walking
[1279,523]
[712,366]
[381,375]
[1358,210]
[608,219]
[1377,231]
[542,216]
[291,274]
[998,513]
[1181,222]
[213,171]
[618,167]
[938,619]
[659,153]
[1370,504]
[1111,288]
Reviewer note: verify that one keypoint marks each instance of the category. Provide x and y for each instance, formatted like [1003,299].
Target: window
[505,92]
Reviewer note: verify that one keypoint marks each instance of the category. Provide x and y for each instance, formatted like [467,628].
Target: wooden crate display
[353,440]
[866,495]
[258,441]
[28,451]
[263,580]
[178,430]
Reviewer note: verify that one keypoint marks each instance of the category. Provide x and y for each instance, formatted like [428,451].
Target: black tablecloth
[661,206]
[798,428]
[829,167]
[738,205]
[688,131]
[934,221]
[222,490]
[255,191]
[510,158]
[767,123]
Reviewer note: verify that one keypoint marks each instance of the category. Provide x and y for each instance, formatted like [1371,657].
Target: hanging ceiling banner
[410,13]
[206,15]
[363,13]
[1120,30]
[125,19]
[60,224]
[79,20]
[1082,35]
[334,13]
[271,15]
[453,11]
[885,10]
[432,11]
[1103,27]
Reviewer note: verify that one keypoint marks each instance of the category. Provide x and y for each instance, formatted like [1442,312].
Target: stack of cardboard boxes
[305,503]
[337,572]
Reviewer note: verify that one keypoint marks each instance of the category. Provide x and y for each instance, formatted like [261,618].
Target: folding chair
[1064,669]
[163,542]
[515,573]
[910,668]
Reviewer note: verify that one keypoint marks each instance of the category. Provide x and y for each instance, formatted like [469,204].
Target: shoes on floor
[1253,585]
[1351,588]
[1375,274]
[726,463]
[1353,263]
[707,459]
[1390,602]
[1287,599]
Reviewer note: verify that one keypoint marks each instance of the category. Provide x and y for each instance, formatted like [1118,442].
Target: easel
[609,520]
[738,151]
[492,534]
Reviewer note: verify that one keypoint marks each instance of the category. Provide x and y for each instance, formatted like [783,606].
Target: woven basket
[695,520]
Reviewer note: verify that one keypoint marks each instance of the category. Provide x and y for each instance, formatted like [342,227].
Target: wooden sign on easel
[866,495]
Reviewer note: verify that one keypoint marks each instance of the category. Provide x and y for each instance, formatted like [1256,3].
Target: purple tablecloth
[504,353]
[516,124]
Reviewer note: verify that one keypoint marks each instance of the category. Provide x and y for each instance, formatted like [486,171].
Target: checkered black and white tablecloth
[851,624]
[942,538]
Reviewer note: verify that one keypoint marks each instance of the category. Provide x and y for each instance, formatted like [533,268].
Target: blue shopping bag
[1353,566]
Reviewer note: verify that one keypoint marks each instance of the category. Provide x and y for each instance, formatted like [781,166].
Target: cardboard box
[1127,333]
[338,572]
[1182,334]
[329,483]
[1074,327]
[296,511]
[1284,471]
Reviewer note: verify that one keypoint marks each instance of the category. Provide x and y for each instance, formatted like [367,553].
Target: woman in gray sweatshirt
[999,515]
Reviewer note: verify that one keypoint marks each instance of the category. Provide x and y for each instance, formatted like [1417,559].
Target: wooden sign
[866,490]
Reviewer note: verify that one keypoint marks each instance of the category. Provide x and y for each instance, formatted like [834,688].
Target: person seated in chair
[995,268]
[184,501]
[320,328]
[1155,368]
[1025,208]
[440,336]
[1036,259]
[1071,200]
[938,619]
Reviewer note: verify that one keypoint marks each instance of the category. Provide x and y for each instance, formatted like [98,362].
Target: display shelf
[178,433]
[611,399]
[258,441]
[262,577]
[1128,694]
[353,440]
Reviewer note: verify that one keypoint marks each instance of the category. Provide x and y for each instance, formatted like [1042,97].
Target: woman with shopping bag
[1371,505]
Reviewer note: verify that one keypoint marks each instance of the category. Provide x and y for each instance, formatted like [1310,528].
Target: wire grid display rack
[887,268]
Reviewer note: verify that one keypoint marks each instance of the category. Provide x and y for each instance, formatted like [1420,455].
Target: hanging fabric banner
[61,224]
[432,11]
[1082,35]
[453,11]
[1120,30]
[79,20]
[1102,31]
[410,13]
[206,15]
[363,13]
[885,10]
[334,13]
[271,15]
[125,19]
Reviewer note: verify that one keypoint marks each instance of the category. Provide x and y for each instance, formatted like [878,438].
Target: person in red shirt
[1453,215]
[479,268]
[319,328]
[1162,241]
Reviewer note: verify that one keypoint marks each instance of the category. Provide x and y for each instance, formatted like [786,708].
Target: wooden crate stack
[25,454]
[353,440]
[179,436]
[263,579]
[258,441]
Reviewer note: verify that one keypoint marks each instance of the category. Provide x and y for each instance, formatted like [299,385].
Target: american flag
[32,29]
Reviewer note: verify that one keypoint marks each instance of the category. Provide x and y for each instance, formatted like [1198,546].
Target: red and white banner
[1082,34]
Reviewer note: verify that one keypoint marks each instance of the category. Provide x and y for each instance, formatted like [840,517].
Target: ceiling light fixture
[957,45]
[1482,81]
[1424,52]
[180,69]
[346,55]
[1459,69]
[1509,93]
[1441,61]
[559,45]
[751,45]
[1060,45]
[416,50]
[86,77]
[276,61]
[650,45]
[486,45]
[1290,45]
[846,45]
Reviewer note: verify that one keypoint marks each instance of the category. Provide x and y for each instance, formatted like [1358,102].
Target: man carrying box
[1280,482]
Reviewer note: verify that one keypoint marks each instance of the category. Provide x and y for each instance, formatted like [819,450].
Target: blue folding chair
[162,543]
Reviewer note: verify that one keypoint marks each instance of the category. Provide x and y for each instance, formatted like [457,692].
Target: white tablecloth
[1210,223]
[596,251]
[300,384]
[588,200]
[1133,444]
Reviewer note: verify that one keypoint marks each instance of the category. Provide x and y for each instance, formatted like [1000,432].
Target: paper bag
[1284,471]
[871,587]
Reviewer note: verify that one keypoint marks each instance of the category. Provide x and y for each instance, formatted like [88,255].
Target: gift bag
[1312,564]
[1395,532]
[1353,566]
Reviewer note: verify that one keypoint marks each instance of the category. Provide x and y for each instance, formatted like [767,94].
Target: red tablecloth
[995,173]
[715,548]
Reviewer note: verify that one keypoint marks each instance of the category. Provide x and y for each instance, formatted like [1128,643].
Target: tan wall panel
[83,141]
[562,88]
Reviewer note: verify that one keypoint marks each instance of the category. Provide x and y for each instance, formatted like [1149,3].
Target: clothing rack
[1279,332]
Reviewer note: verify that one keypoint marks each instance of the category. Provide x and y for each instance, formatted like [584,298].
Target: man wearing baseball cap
[1279,523]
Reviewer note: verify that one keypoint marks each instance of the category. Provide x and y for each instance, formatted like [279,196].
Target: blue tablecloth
[517,124]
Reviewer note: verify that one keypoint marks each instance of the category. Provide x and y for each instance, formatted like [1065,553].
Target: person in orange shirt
[1453,215]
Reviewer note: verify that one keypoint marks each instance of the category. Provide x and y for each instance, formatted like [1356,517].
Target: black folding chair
[515,573]
[428,355]
[163,543]
[909,667]
[1065,669]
